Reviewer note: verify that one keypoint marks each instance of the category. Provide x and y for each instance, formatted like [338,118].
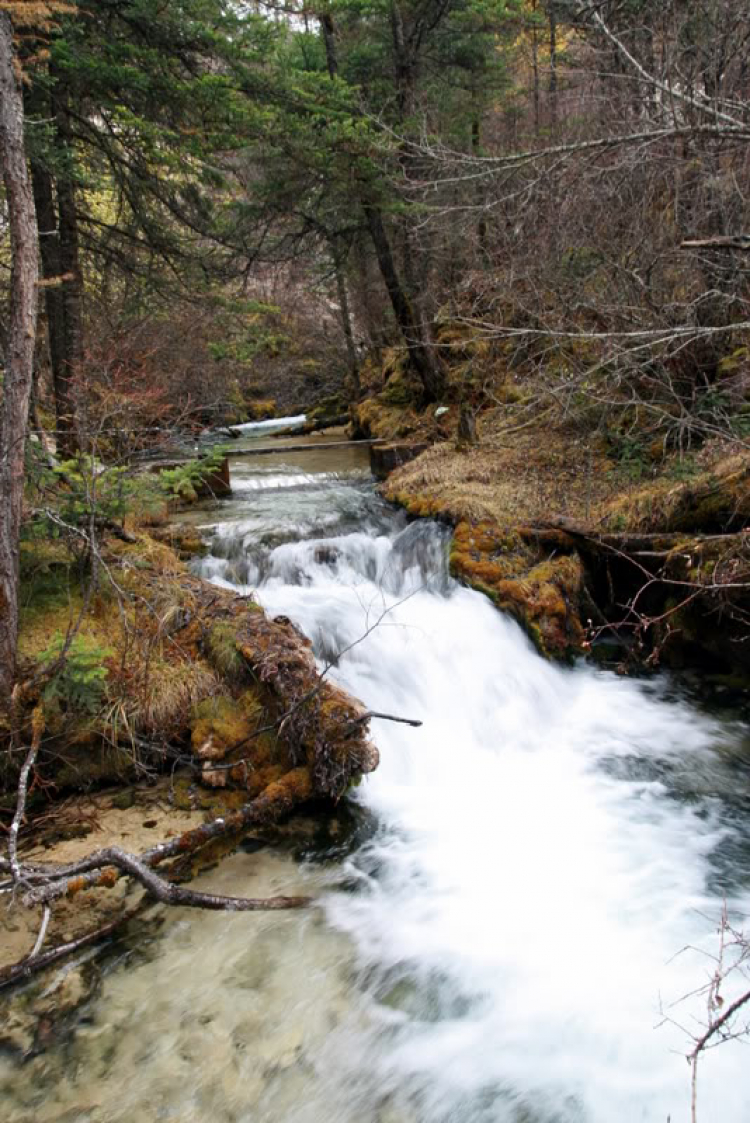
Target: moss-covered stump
[167,667]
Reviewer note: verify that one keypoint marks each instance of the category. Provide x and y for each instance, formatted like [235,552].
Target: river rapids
[518,915]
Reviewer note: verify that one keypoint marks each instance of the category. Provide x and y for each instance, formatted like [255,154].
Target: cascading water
[518,934]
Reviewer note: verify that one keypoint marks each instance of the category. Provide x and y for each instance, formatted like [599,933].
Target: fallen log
[567,533]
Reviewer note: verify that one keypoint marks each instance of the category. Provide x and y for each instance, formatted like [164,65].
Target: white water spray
[542,860]
[507,937]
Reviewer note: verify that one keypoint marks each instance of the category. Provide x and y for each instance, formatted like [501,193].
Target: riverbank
[643,559]
[616,803]
[163,675]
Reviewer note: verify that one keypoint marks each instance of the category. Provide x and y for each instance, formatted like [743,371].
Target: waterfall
[549,843]
[517,911]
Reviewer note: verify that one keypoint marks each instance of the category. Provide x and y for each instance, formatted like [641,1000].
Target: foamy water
[539,866]
[508,942]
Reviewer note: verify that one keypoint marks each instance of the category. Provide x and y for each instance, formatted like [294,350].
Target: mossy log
[686,596]
[194,674]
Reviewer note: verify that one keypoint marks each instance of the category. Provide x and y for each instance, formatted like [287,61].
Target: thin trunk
[19,358]
[552,14]
[329,39]
[480,191]
[49,246]
[346,317]
[535,69]
[403,62]
[70,264]
[420,353]
[415,260]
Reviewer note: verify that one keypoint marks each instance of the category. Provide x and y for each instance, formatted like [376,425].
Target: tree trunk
[49,246]
[420,352]
[346,316]
[39,105]
[70,265]
[19,358]
[552,14]
[535,68]
[480,190]
[329,39]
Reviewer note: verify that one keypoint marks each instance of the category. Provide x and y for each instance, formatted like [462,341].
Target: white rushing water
[535,893]
[548,846]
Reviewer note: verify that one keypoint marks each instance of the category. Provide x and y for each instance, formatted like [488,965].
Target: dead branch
[23,783]
[23,970]
[51,882]
[164,891]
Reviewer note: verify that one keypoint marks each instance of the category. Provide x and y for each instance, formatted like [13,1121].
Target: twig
[42,933]
[23,783]
[387,717]
[28,967]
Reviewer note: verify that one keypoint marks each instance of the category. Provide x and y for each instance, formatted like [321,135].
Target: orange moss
[541,593]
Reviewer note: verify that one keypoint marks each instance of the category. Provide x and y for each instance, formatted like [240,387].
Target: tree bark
[49,247]
[552,15]
[19,359]
[420,353]
[535,68]
[329,39]
[70,266]
[346,316]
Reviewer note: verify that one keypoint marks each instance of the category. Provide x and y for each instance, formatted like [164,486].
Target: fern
[79,684]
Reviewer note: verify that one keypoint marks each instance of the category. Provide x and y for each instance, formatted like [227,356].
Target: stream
[518,910]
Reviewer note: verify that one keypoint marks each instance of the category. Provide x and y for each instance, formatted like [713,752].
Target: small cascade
[522,926]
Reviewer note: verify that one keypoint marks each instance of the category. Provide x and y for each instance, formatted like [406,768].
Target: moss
[222,722]
[460,339]
[258,409]
[184,655]
[400,390]
[541,594]
[713,499]
[185,541]
[90,766]
[376,418]
[222,652]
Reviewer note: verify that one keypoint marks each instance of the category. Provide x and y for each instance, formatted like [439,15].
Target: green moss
[542,595]
[222,651]
[400,390]
[223,722]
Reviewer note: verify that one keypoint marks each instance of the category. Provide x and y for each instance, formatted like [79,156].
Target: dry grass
[549,470]
[527,477]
